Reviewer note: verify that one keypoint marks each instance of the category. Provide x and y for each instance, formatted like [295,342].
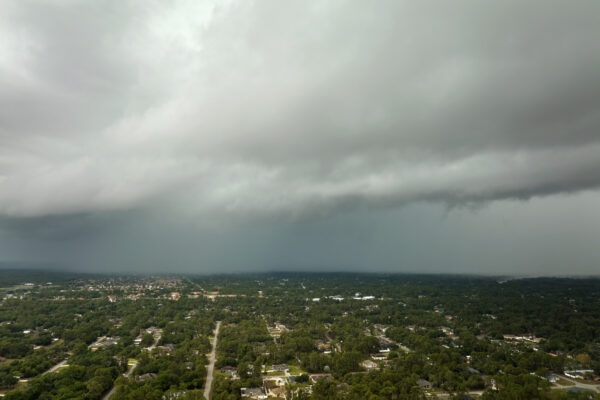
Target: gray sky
[205,136]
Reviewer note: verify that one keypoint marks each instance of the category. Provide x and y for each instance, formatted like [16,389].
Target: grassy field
[564,382]
[296,370]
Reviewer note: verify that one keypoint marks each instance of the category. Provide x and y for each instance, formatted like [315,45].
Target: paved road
[211,363]
[156,339]
[56,367]
[131,368]
[126,375]
[576,383]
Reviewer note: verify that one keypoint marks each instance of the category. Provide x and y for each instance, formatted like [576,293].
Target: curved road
[126,375]
[56,367]
[576,383]
[211,363]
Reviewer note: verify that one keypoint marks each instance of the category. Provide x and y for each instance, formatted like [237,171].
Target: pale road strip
[126,375]
[56,367]
[132,367]
[211,363]
[576,383]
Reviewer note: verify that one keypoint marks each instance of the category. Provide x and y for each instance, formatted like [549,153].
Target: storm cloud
[279,113]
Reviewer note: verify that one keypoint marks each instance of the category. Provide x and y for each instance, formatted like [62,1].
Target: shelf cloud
[268,109]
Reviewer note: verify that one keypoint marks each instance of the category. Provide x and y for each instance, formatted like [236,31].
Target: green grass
[564,382]
[295,370]
[18,386]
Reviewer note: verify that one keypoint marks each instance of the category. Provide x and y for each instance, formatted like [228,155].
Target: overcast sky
[223,136]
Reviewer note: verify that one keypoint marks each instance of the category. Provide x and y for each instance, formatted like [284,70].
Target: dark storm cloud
[552,235]
[269,106]
[242,110]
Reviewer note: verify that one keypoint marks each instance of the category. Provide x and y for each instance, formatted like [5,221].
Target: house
[166,349]
[253,393]
[153,330]
[281,326]
[174,395]
[529,338]
[104,342]
[317,377]
[447,331]
[145,377]
[357,297]
[281,368]
[323,347]
[424,384]
[229,370]
[277,392]
[274,387]
[578,373]
[369,365]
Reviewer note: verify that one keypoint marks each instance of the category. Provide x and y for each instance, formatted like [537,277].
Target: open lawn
[564,382]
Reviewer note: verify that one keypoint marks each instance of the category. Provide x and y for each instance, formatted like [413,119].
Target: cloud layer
[143,134]
[288,107]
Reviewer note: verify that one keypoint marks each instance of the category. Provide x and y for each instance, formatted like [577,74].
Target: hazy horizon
[34,268]
[210,137]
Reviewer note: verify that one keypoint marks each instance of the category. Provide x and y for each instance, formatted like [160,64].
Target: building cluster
[276,330]
[103,342]
[277,387]
[214,294]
